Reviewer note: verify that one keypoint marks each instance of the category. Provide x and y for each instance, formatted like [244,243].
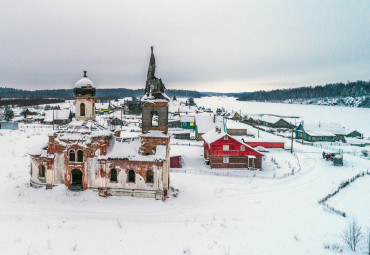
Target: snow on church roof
[131,151]
[84,82]
[155,133]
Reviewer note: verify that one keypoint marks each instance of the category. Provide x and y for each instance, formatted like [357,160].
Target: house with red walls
[223,151]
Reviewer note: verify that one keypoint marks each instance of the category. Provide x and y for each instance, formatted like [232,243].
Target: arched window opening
[131,176]
[72,155]
[149,176]
[154,118]
[82,109]
[42,171]
[80,156]
[113,175]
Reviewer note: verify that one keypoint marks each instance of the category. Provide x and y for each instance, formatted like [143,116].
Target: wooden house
[355,133]
[329,132]
[236,128]
[60,117]
[187,122]
[237,116]
[183,135]
[223,151]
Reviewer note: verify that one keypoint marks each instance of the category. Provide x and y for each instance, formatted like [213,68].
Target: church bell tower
[84,91]
[154,102]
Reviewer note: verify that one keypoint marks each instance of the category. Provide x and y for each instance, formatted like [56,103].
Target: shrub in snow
[352,234]
[365,153]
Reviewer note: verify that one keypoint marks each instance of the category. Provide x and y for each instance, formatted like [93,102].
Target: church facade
[85,155]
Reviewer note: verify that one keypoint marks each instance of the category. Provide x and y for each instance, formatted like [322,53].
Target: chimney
[214,118]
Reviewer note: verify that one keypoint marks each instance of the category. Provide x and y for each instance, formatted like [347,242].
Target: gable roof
[324,129]
[213,135]
[58,115]
[204,123]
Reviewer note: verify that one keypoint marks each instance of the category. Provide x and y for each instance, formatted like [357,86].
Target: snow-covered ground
[209,215]
[351,118]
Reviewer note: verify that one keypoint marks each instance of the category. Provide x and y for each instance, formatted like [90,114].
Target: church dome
[84,87]
[84,82]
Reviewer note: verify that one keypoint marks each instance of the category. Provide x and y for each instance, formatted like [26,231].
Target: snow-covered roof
[204,123]
[324,129]
[155,133]
[236,125]
[270,139]
[58,115]
[187,118]
[151,98]
[39,149]
[213,135]
[131,150]
[84,82]
[76,130]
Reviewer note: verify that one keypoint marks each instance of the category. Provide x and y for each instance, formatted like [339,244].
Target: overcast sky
[213,45]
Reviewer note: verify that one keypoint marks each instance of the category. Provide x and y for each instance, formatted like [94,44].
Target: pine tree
[8,113]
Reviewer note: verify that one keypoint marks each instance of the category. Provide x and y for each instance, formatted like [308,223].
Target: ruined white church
[84,155]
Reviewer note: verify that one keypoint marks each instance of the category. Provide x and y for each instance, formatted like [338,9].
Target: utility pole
[121,117]
[53,118]
[291,146]
[302,132]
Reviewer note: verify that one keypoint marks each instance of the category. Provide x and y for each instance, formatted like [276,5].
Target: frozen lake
[350,117]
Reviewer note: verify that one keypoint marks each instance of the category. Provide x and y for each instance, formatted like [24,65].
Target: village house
[223,151]
[85,155]
[187,122]
[236,128]
[60,117]
[206,122]
[329,132]
[355,133]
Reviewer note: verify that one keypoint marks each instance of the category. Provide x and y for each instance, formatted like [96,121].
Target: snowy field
[207,215]
[350,117]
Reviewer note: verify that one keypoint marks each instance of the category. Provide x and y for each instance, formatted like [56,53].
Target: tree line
[105,94]
[350,89]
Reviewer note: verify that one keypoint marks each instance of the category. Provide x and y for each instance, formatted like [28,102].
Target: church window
[149,176]
[82,109]
[131,176]
[42,172]
[80,156]
[72,155]
[113,175]
[154,118]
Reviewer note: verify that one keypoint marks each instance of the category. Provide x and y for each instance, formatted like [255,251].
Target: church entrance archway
[76,180]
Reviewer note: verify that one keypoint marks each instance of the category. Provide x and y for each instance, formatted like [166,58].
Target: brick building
[85,155]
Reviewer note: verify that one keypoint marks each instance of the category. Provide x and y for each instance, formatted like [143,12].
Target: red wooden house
[223,151]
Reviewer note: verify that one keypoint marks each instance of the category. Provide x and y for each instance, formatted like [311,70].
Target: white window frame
[225,160]
[226,147]
[226,137]
[242,147]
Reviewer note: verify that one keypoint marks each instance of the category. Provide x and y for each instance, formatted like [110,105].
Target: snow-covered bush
[365,152]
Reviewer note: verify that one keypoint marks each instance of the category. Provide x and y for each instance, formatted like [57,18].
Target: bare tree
[352,234]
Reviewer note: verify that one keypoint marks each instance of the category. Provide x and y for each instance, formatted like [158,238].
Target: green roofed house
[320,132]
[187,122]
